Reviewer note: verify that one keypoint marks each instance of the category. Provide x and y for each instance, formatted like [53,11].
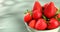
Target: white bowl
[33,30]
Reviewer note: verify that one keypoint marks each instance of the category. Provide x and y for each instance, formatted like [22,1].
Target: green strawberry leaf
[26,11]
[44,17]
[58,19]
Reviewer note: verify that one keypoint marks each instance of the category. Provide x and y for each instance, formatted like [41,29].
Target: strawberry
[53,23]
[58,16]
[59,23]
[37,6]
[27,17]
[36,14]
[45,5]
[41,24]
[50,10]
[32,23]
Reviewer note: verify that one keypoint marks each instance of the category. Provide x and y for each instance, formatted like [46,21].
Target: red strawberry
[50,11]
[37,6]
[53,23]
[41,24]
[59,23]
[37,14]
[27,17]
[45,5]
[32,23]
[58,16]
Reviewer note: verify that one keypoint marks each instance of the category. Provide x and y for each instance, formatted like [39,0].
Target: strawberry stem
[47,22]
[58,19]
[45,18]
[28,11]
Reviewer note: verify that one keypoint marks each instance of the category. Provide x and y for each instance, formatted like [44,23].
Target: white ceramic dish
[33,30]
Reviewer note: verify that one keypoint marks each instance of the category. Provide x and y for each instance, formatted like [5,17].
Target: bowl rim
[40,30]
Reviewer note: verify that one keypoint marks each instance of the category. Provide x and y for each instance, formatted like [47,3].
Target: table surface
[12,13]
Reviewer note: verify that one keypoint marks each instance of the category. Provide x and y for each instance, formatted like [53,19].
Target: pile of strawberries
[42,17]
